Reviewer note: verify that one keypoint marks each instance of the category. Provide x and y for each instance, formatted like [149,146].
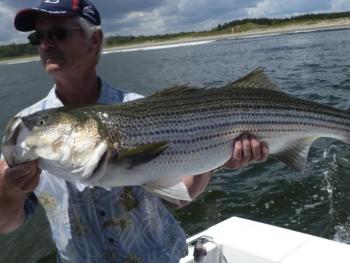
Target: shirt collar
[107,95]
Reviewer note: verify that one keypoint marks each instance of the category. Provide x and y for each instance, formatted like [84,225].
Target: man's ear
[97,40]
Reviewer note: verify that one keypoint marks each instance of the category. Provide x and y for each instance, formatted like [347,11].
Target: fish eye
[41,122]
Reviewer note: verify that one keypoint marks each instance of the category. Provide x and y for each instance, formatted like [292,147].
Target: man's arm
[245,151]
[15,184]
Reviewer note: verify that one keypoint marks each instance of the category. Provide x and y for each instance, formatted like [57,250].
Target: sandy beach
[306,27]
[324,25]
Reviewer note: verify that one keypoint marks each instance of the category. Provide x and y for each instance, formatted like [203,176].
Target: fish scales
[176,110]
[215,125]
[166,113]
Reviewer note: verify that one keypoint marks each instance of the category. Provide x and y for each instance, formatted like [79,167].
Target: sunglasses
[55,34]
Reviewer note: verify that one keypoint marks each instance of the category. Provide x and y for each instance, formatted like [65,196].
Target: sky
[149,17]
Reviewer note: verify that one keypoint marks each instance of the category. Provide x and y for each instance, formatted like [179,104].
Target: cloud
[340,5]
[111,9]
[169,16]
[176,16]
[283,8]
[148,17]
[7,30]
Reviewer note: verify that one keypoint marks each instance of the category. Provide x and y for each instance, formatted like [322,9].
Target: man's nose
[46,43]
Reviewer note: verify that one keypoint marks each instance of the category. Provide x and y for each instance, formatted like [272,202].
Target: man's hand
[18,180]
[247,149]
[15,183]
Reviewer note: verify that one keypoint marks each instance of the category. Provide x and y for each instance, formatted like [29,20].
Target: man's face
[71,54]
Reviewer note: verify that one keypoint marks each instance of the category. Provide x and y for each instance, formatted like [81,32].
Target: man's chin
[52,64]
[52,67]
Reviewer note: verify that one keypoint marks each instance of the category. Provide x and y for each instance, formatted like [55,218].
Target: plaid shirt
[93,224]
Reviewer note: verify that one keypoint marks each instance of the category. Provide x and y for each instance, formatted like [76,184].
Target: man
[92,224]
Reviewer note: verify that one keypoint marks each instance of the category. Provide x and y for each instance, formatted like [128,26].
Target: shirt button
[102,213]
[111,240]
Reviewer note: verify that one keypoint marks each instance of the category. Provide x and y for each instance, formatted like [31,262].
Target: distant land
[236,28]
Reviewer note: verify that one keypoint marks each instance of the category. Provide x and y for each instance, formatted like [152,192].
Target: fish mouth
[12,136]
[14,146]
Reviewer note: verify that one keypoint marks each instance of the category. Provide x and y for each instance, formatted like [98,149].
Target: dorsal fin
[179,89]
[256,79]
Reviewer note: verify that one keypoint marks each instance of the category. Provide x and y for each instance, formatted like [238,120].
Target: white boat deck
[238,240]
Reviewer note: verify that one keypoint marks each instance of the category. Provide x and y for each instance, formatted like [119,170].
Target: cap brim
[25,19]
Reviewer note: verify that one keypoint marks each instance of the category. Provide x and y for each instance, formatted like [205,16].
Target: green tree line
[282,21]
[18,50]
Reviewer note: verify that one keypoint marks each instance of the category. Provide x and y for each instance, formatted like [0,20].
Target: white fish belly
[167,166]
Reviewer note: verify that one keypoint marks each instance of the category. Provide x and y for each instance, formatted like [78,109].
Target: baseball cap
[25,19]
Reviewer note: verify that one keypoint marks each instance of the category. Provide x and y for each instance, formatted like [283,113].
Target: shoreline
[334,24]
[343,23]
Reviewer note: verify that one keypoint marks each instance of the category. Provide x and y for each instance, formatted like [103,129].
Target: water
[314,65]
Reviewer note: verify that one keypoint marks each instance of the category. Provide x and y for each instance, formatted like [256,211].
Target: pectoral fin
[142,153]
[296,155]
[171,190]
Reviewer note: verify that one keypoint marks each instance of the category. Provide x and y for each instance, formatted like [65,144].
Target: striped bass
[175,132]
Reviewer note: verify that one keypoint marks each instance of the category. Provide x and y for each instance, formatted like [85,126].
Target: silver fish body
[176,132]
